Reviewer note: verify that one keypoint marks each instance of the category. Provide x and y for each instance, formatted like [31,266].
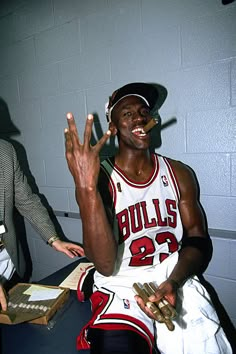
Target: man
[16,192]
[142,222]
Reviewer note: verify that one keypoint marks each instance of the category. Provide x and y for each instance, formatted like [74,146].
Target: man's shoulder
[176,164]
[106,168]
[108,159]
[107,164]
[5,144]
[180,169]
[6,148]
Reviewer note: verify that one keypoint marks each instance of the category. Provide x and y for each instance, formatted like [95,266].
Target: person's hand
[3,298]
[166,290]
[70,249]
[83,159]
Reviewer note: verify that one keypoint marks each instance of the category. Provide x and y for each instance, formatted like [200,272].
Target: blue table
[59,336]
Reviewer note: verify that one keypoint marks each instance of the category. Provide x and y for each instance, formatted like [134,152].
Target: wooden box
[39,312]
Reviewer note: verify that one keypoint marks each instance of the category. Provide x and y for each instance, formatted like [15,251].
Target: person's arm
[196,254]
[71,249]
[197,250]
[31,207]
[84,164]
[3,299]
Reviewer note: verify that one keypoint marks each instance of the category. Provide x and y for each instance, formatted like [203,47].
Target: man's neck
[136,166]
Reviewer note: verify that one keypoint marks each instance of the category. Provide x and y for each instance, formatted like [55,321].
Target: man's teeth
[139,131]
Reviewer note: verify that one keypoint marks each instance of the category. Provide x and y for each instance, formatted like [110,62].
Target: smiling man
[142,223]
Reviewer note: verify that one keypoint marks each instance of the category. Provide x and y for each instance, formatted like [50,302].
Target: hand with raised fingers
[83,158]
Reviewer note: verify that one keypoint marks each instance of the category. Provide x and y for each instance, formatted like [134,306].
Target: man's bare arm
[84,164]
[191,259]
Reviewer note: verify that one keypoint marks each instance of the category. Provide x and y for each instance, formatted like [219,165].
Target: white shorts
[197,327]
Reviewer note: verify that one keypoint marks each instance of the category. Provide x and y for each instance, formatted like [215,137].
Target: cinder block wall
[69,55]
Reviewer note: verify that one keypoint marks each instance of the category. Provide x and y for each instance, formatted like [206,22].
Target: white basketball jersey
[146,221]
[147,218]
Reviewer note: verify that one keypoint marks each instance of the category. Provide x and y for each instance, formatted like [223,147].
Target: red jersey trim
[173,177]
[100,301]
[133,183]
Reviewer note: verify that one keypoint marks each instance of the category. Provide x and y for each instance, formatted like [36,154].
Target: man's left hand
[70,249]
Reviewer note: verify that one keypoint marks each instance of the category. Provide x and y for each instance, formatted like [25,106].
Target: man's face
[129,117]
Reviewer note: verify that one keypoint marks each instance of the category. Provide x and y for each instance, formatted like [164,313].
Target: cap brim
[148,91]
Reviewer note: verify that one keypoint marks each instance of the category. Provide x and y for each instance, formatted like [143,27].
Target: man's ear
[112,128]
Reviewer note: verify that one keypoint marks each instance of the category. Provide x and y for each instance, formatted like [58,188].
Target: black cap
[147,92]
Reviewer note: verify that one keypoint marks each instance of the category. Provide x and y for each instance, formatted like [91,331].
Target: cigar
[167,309]
[159,314]
[162,304]
[144,294]
[150,125]
[155,310]
[164,307]
[169,324]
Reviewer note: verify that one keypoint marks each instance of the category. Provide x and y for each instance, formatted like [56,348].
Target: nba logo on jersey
[164,180]
[126,304]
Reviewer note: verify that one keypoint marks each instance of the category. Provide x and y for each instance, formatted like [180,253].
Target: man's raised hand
[82,158]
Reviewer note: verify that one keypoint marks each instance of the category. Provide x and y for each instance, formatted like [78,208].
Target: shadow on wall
[224,318]
[225,321]
[7,131]
[226,2]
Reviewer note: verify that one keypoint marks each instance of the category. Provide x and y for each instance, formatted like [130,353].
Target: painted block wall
[69,55]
